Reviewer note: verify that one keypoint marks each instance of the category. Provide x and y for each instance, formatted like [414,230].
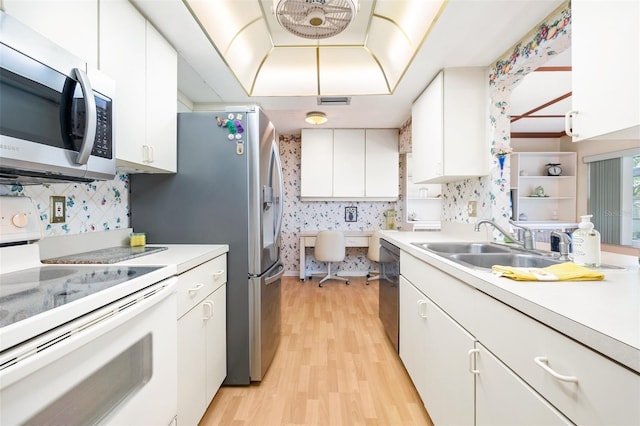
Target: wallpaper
[95,206]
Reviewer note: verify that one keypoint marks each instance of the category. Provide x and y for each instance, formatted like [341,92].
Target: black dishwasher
[389,290]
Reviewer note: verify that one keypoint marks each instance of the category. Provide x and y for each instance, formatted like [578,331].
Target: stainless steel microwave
[56,113]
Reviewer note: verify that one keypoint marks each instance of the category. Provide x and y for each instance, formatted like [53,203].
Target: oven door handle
[90,118]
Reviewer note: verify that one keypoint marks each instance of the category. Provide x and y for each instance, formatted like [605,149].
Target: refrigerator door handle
[280,196]
[273,278]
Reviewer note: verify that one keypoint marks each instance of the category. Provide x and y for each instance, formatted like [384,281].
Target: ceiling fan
[315,19]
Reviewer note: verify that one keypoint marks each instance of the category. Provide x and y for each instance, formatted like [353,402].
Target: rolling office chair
[374,254]
[329,248]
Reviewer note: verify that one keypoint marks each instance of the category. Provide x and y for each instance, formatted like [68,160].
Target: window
[614,196]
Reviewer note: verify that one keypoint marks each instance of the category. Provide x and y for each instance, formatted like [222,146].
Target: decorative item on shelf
[554,169]
[423,192]
[538,192]
[523,217]
[501,151]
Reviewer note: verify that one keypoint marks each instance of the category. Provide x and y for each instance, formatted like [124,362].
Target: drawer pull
[217,274]
[207,310]
[542,363]
[472,359]
[422,308]
[194,290]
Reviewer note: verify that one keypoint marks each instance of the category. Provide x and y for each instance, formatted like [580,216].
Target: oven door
[114,366]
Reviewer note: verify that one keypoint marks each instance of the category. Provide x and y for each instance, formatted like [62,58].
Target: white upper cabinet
[72,24]
[350,164]
[605,56]
[382,163]
[144,66]
[449,127]
[122,51]
[317,163]
[162,106]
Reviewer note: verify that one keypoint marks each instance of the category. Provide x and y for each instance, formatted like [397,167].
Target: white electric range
[81,344]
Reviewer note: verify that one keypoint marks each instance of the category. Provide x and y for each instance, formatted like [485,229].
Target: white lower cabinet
[435,351]
[202,350]
[502,398]
[518,370]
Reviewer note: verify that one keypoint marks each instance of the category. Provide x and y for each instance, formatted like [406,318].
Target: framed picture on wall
[351,214]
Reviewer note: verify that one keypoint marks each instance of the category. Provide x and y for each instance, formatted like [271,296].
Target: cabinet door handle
[193,290]
[207,310]
[422,308]
[472,361]
[217,274]
[568,121]
[542,363]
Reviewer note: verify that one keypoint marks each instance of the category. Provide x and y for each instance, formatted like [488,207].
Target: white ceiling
[468,33]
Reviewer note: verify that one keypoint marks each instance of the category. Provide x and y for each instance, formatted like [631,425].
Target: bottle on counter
[586,243]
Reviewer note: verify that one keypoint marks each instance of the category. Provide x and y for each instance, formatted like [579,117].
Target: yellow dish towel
[567,271]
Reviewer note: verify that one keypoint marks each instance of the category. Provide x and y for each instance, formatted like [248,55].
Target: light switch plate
[58,209]
[472,208]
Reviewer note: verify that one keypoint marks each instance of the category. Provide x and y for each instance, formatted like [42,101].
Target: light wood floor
[334,366]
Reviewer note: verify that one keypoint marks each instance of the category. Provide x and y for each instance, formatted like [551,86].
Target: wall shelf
[528,171]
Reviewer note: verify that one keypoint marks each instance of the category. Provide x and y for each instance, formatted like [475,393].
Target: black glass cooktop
[29,292]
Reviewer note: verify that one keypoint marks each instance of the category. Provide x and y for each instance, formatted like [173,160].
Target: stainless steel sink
[487,260]
[463,247]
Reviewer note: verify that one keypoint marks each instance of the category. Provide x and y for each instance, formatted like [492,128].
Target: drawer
[605,392]
[349,241]
[357,241]
[195,284]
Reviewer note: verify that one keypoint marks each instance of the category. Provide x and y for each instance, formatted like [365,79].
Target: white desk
[351,239]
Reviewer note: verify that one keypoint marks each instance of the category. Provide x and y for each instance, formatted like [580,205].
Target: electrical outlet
[58,209]
[472,208]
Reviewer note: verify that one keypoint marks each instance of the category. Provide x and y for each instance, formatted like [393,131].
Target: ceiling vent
[334,100]
[315,19]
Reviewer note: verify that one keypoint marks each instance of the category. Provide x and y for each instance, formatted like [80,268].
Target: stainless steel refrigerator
[228,190]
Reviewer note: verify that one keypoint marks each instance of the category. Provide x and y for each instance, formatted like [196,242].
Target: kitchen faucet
[563,245]
[527,244]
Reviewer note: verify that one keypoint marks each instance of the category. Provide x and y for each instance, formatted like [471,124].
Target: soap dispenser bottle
[586,243]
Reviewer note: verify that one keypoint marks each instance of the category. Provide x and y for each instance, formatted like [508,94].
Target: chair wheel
[367,282]
[368,275]
[320,285]
[347,282]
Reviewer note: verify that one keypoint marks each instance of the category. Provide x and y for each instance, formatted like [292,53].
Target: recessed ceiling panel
[247,52]
[224,20]
[390,47]
[288,70]
[413,16]
[361,76]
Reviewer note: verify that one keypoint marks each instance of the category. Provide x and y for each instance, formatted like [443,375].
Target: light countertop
[182,256]
[603,315]
[177,259]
